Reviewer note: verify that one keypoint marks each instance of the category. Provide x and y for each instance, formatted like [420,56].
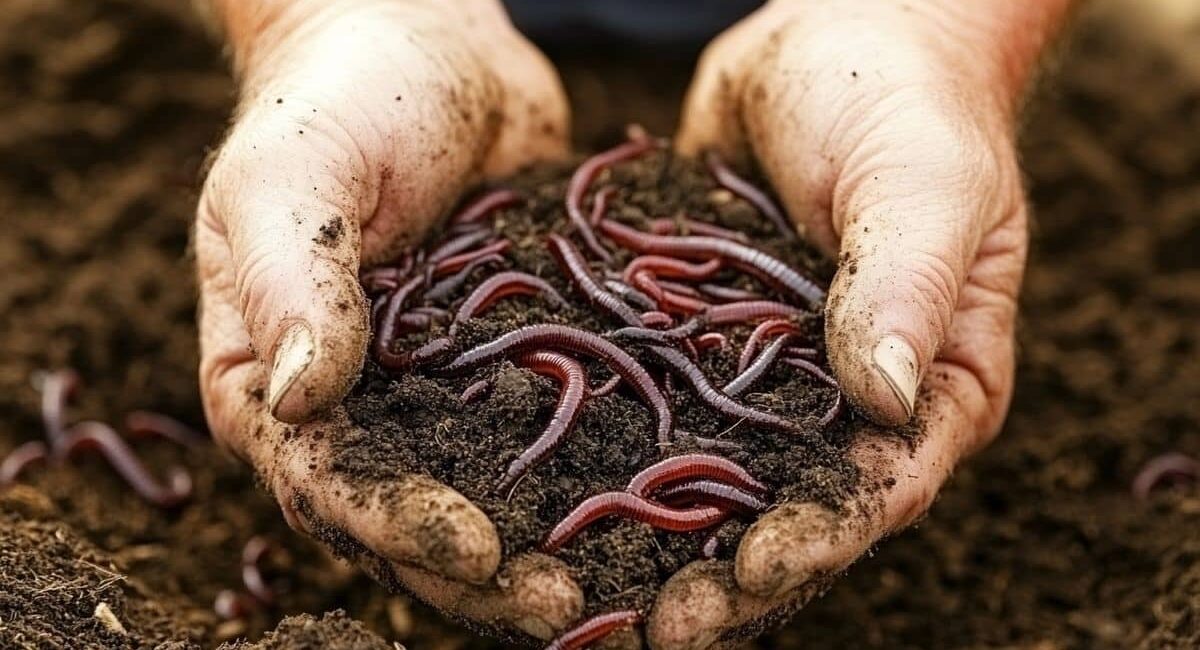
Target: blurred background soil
[107,110]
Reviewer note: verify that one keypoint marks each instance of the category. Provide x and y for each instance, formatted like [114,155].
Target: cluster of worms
[257,592]
[667,304]
[65,441]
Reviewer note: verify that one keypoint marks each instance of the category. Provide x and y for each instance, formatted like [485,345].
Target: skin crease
[888,129]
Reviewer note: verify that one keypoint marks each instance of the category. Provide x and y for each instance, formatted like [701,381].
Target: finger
[283,214]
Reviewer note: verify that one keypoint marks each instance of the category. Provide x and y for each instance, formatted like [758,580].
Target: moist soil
[416,422]
[105,115]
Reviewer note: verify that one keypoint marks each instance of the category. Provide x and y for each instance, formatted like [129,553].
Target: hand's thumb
[288,211]
[911,230]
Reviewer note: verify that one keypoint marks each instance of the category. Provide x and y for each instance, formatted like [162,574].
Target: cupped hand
[888,130]
[360,124]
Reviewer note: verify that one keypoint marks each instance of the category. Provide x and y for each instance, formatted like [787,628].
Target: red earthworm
[252,553]
[537,337]
[101,437]
[436,313]
[1172,466]
[387,324]
[460,261]
[595,629]
[20,458]
[479,209]
[475,391]
[684,225]
[380,279]
[726,178]
[450,285]
[630,506]
[710,340]
[670,267]
[666,300]
[230,604]
[662,337]
[499,286]
[726,294]
[680,289]
[733,313]
[716,399]
[762,364]
[600,203]
[145,423]
[577,187]
[414,322]
[711,493]
[751,260]
[607,387]
[812,369]
[458,244]
[429,352]
[58,387]
[765,329]
[574,390]
[656,319]
[711,546]
[576,268]
[630,295]
[693,466]
[803,353]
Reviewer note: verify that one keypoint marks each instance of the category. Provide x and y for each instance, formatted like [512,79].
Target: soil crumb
[333,631]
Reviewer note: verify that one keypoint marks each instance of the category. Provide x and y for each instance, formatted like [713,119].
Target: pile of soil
[104,119]
[416,422]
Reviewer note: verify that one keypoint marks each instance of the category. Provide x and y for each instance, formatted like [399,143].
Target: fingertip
[453,537]
[788,547]
[691,612]
[543,597]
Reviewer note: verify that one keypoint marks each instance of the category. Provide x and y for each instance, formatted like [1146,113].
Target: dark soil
[105,115]
[416,422]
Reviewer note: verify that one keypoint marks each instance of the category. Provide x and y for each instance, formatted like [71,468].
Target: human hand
[360,123]
[888,129]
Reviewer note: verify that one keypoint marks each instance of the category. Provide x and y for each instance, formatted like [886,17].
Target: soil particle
[333,631]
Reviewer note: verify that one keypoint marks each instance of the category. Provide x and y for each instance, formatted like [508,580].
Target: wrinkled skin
[887,130]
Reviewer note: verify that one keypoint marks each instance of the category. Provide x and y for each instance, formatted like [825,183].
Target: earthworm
[594,629]
[814,370]
[680,288]
[475,391]
[656,319]
[1172,466]
[692,466]
[670,267]
[711,493]
[630,506]
[574,390]
[710,548]
[499,286]
[230,604]
[146,423]
[717,400]
[667,301]
[735,313]
[765,329]
[252,553]
[536,337]
[803,353]
[20,458]
[429,352]
[58,387]
[577,188]
[458,244]
[751,260]
[479,209]
[726,294]
[387,325]
[576,268]
[101,437]
[762,364]
[607,387]
[726,178]
[450,285]
[630,295]
[381,278]
[436,313]
[600,203]
[461,260]
[710,340]
[684,225]
[413,322]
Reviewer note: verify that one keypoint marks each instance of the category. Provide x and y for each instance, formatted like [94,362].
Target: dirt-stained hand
[360,123]
[888,129]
